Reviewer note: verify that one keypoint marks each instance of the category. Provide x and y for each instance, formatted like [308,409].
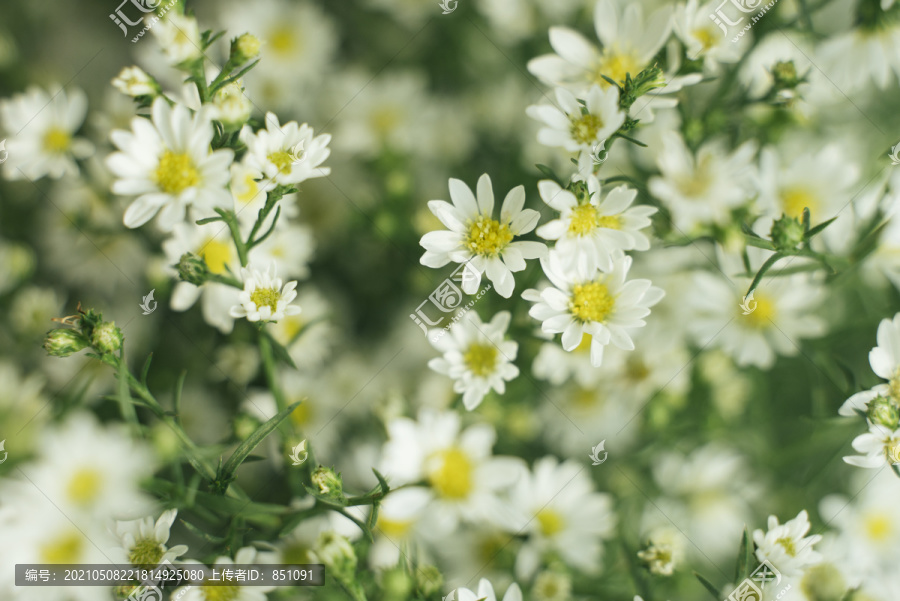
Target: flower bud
[245,47]
[396,584]
[785,74]
[134,81]
[787,233]
[193,269]
[883,412]
[64,342]
[429,580]
[552,586]
[327,483]
[337,554]
[107,338]
[232,107]
[823,582]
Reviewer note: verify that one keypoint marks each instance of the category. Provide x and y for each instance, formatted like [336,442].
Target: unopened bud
[193,269]
[64,342]
[107,338]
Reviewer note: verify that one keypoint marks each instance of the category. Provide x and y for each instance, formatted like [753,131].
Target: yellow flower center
[250,190]
[450,473]
[394,529]
[762,315]
[65,549]
[384,119]
[85,486]
[550,522]
[706,36]
[224,592]
[283,160]
[591,302]
[878,526]
[282,40]
[57,140]
[795,198]
[586,219]
[176,172]
[302,414]
[615,65]
[488,237]
[266,297]
[217,255]
[584,129]
[481,358]
[788,544]
[146,551]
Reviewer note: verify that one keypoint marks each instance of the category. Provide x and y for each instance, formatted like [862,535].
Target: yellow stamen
[481,358]
[584,129]
[488,237]
[450,473]
[591,302]
[550,522]
[266,297]
[176,172]
[85,485]
[57,140]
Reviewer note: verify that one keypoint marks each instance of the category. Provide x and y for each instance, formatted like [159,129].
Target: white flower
[630,43]
[464,479]
[231,592]
[702,38]
[144,541]
[885,358]
[271,151]
[168,165]
[753,330]
[862,55]
[42,133]
[486,593]
[179,37]
[476,356]
[475,237]
[589,230]
[213,243]
[265,296]
[703,189]
[563,514]
[880,447]
[570,128]
[134,81]
[597,303]
[786,545]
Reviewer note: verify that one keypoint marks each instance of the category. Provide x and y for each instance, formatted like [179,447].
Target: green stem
[231,220]
[268,361]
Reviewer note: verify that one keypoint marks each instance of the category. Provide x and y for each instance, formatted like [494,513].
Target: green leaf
[208,220]
[746,229]
[226,474]
[146,369]
[805,219]
[385,488]
[760,243]
[709,586]
[281,353]
[547,171]
[762,271]
[204,535]
[810,233]
[179,386]
[745,557]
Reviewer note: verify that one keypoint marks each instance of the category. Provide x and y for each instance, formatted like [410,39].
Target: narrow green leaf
[385,488]
[146,369]
[218,540]
[762,271]
[745,557]
[252,441]
[805,220]
[179,386]
[547,171]
[281,353]
[259,240]
[708,586]
[207,220]
[126,403]
[809,234]
[746,229]
[630,139]
[760,243]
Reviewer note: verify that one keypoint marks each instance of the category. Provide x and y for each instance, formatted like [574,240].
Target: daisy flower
[476,238]
[562,514]
[42,129]
[575,127]
[630,42]
[862,55]
[464,479]
[701,37]
[265,296]
[600,304]
[590,229]
[885,357]
[476,356]
[226,592]
[271,152]
[168,165]
[702,188]
[134,81]
[786,545]
[486,593]
[754,330]
[144,541]
[880,446]
[179,37]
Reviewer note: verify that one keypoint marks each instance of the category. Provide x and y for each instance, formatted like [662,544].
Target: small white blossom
[271,151]
[134,81]
[786,545]
[265,296]
[572,128]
